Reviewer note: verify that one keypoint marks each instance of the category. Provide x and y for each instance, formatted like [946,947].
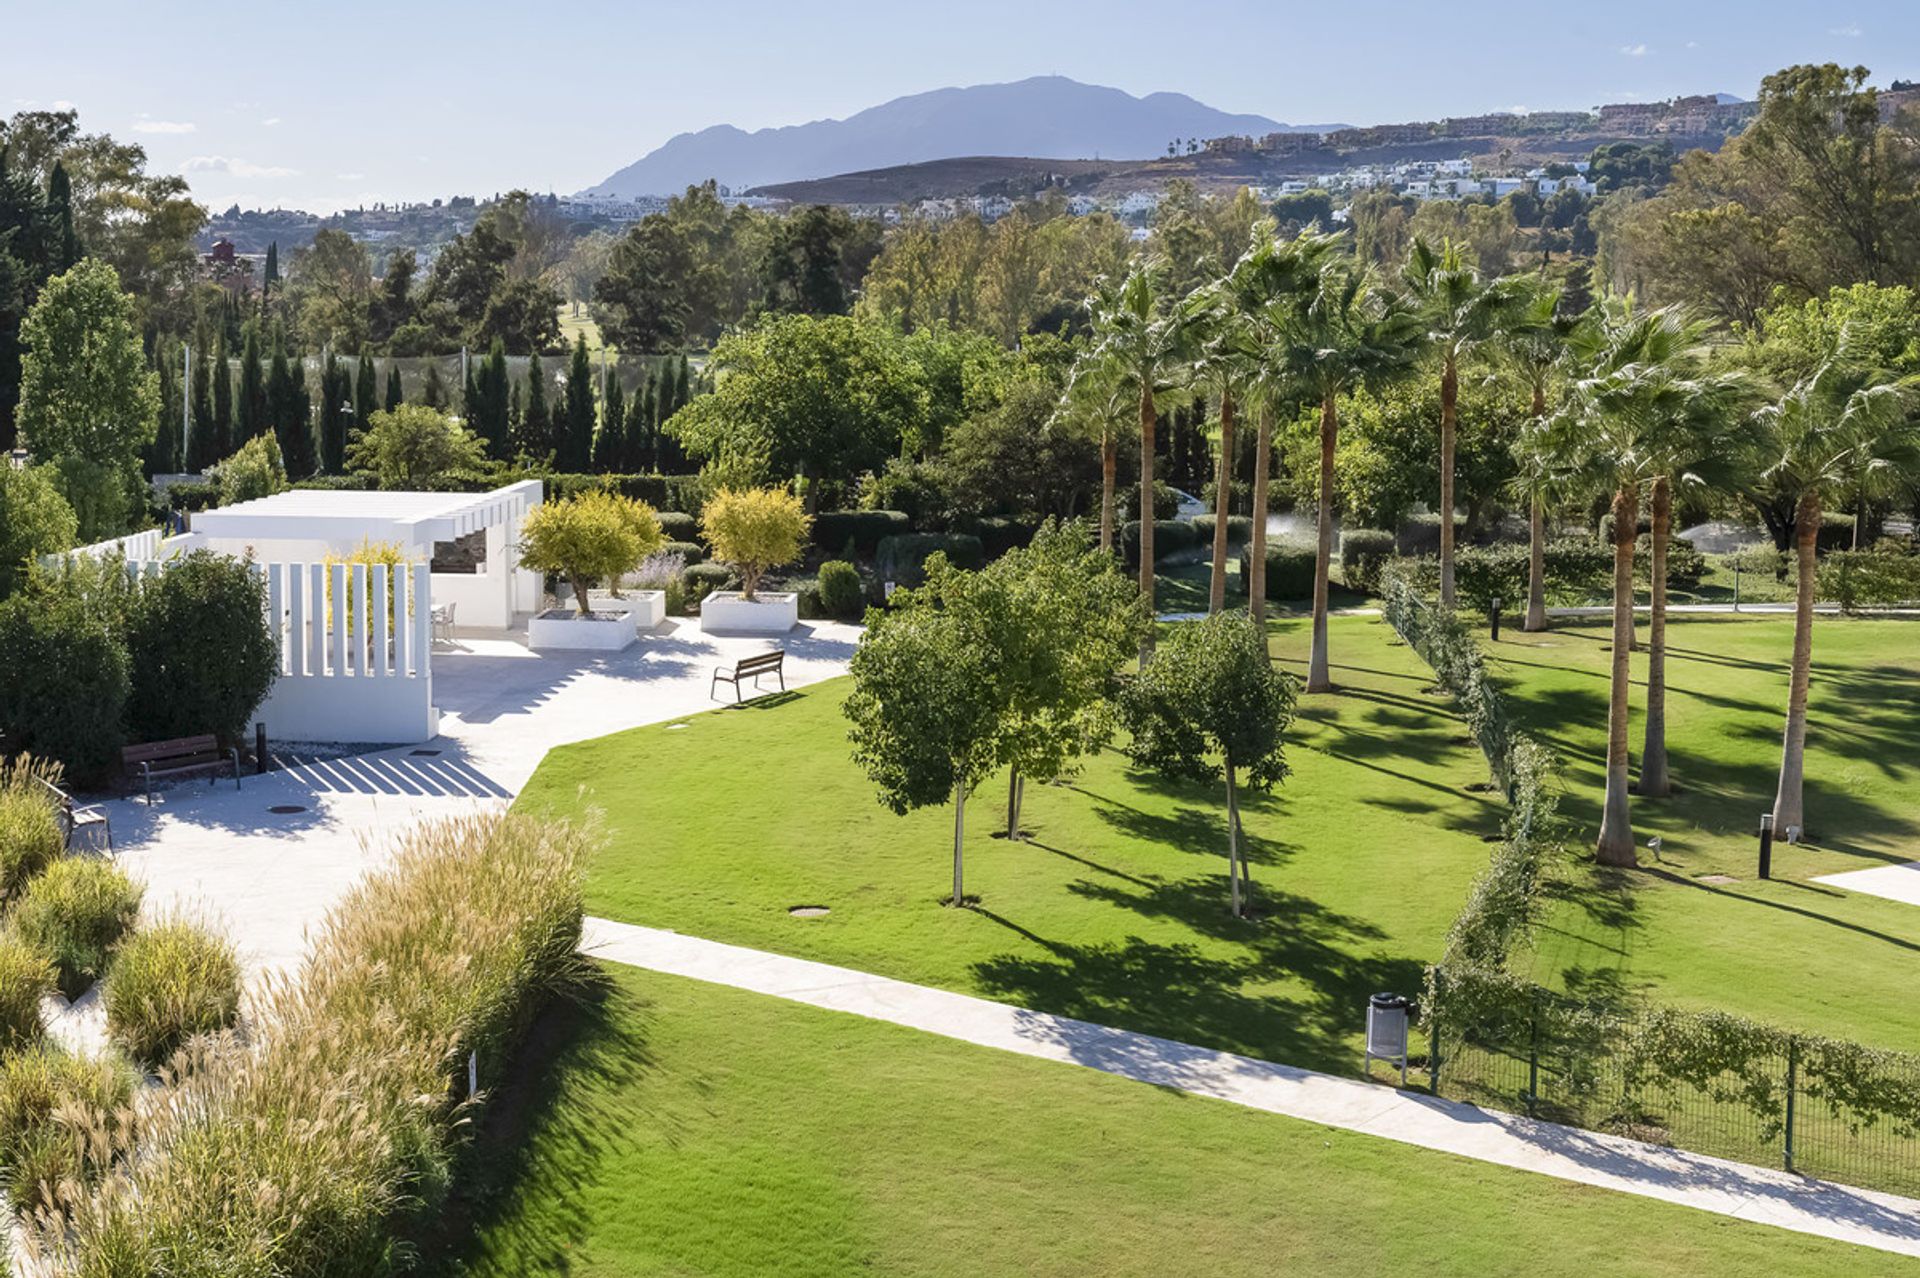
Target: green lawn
[1790,951]
[1115,910]
[678,1128]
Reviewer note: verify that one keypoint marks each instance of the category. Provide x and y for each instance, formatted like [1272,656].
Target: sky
[327,106]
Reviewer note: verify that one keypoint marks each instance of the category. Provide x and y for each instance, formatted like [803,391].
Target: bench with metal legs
[754,667]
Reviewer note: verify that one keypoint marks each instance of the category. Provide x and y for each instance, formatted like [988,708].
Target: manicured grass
[1791,951]
[679,1128]
[1115,909]
[574,325]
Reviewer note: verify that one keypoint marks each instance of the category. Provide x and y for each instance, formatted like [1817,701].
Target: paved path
[1895,882]
[1859,1216]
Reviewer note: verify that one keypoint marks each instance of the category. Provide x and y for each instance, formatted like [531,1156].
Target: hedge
[65,689]
[192,495]
[1289,569]
[200,658]
[691,551]
[678,525]
[1239,528]
[865,529]
[1363,552]
[1886,576]
[842,596]
[902,559]
[1170,537]
[997,533]
[1420,534]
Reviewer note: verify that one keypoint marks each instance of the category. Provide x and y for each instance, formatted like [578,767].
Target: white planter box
[725,612]
[565,630]
[648,608]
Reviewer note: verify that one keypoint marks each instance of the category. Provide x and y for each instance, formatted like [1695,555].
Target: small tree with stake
[1211,704]
[926,703]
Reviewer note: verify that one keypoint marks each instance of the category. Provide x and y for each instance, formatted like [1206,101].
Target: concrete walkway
[1881,1221]
[1894,882]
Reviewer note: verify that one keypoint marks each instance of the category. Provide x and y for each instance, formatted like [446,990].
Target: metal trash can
[1387,1023]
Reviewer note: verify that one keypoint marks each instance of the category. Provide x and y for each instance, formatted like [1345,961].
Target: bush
[677,494]
[200,656]
[664,571]
[864,528]
[344,1103]
[998,534]
[592,538]
[413,446]
[30,836]
[103,499]
[1885,576]
[170,981]
[678,526]
[26,977]
[65,690]
[1289,569]
[356,483]
[1420,534]
[754,529]
[1126,500]
[1836,532]
[690,552]
[254,470]
[1170,537]
[191,495]
[903,560]
[701,580]
[1239,528]
[39,1149]
[35,520]
[841,593]
[76,914]
[1363,552]
[920,490]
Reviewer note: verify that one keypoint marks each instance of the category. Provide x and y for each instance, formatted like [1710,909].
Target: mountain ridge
[1048,117]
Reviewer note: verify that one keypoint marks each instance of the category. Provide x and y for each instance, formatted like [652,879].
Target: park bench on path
[753,668]
[181,756]
[75,818]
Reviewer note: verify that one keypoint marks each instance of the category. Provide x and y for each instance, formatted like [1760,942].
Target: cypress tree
[610,445]
[200,449]
[434,395]
[576,426]
[643,453]
[163,454]
[221,443]
[60,207]
[536,431]
[333,418]
[252,407]
[300,412]
[682,388]
[270,276]
[395,397]
[365,390]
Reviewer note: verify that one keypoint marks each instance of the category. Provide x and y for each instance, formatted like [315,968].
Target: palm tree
[1537,347]
[1844,422]
[1644,392]
[1142,342]
[1343,333]
[1096,400]
[1223,347]
[1462,312]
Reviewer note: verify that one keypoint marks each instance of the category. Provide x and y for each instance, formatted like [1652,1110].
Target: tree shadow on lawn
[596,1040]
[1213,999]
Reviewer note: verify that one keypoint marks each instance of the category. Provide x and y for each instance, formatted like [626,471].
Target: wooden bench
[180,757]
[765,663]
[74,818]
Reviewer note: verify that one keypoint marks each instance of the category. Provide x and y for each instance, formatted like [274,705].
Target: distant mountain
[1047,117]
[1728,99]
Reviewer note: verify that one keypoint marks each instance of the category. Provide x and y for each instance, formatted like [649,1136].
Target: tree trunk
[1859,521]
[1222,506]
[1015,787]
[1787,807]
[1256,582]
[1146,510]
[1654,782]
[1233,846]
[1109,467]
[1615,844]
[1317,678]
[1536,566]
[1449,404]
[581,588]
[959,834]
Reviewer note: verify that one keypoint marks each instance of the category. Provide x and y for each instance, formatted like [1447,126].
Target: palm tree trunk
[1109,469]
[1257,550]
[1654,782]
[1859,520]
[1536,566]
[1146,510]
[1788,811]
[1233,844]
[1317,679]
[959,836]
[1615,844]
[1222,506]
[1449,405]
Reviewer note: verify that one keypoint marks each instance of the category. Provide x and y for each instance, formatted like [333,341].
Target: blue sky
[327,105]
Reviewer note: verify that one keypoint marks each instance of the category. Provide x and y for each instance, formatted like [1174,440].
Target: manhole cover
[424,754]
[286,809]
[807,911]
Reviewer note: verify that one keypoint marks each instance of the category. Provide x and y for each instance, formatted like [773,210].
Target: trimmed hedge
[678,525]
[1363,553]
[1239,528]
[65,685]
[1170,537]
[359,481]
[1420,534]
[199,655]
[998,533]
[691,551]
[903,559]
[701,580]
[193,494]
[1289,570]
[842,595]
[865,529]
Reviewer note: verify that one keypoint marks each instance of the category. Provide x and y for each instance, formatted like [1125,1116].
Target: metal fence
[1803,1108]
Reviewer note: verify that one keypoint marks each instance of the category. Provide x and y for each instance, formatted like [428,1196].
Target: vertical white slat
[339,619]
[316,620]
[296,662]
[421,625]
[276,593]
[357,618]
[377,604]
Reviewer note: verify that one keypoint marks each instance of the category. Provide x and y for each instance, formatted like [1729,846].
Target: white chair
[442,618]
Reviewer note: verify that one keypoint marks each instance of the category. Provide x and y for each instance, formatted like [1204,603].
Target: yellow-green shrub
[170,981]
[754,529]
[75,914]
[26,977]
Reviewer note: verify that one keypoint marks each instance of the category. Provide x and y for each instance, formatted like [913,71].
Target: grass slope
[684,1129]
[1115,910]
[1789,950]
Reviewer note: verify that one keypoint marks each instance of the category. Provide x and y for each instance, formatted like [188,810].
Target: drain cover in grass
[286,809]
[808,911]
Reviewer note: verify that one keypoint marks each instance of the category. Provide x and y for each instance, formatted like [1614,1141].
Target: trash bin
[1387,1017]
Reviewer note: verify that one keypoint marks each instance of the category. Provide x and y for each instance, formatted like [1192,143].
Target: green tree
[200,655]
[290,412]
[610,441]
[254,470]
[487,415]
[1211,706]
[594,537]
[85,389]
[203,445]
[251,409]
[1022,457]
[162,454]
[412,446]
[366,394]
[576,432]
[754,529]
[335,404]
[395,395]
[35,520]
[1535,349]
[269,275]
[536,429]
[222,440]
[1826,429]
[1226,355]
